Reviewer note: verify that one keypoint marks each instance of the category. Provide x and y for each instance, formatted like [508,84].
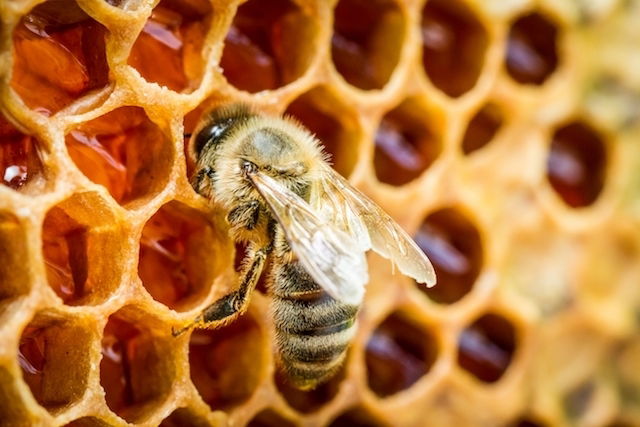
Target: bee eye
[211,135]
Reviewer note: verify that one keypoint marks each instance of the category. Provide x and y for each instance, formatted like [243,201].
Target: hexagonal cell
[270,44]
[184,417]
[87,422]
[532,52]
[407,141]
[309,400]
[454,43]
[333,124]
[55,363]
[137,366]
[357,417]
[124,151]
[576,165]
[270,418]
[400,351]
[452,243]
[486,347]
[577,401]
[59,56]
[226,363]
[482,128]
[20,164]
[83,258]
[367,41]
[527,422]
[180,255]
[14,253]
[168,50]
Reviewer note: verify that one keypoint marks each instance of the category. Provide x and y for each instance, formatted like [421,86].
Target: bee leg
[204,173]
[234,303]
[245,215]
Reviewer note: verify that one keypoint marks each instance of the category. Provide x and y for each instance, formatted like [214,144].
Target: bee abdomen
[313,331]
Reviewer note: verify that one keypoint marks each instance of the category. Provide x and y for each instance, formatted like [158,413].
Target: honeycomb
[502,134]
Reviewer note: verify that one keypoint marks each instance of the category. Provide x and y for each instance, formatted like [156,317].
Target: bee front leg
[245,216]
[234,303]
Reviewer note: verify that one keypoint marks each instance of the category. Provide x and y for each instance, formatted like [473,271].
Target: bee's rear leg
[234,303]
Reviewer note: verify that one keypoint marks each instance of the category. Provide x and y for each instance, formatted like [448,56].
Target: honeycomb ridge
[509,127]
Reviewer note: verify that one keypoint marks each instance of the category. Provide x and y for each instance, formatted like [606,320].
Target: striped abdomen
[313,331]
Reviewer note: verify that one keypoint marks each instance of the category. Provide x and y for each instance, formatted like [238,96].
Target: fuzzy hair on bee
[272,179]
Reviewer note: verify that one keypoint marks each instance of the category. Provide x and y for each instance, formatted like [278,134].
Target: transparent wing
[329,254]
[383,234]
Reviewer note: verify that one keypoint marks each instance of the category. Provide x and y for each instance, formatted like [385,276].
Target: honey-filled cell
[270,418]
[307,401]
[453,46]
[53,355]
[20,162]
[358,417]
[137,369]
[399,352]
[367,41]
[333,124]
[453,244]
[486,347]
[226,363]
[59,56]
[482,128]
[576,164]
[407,142]
[180,256]
[270,44]
[184,417]
[81,256]
[168,51]
[532,52]
[123,151]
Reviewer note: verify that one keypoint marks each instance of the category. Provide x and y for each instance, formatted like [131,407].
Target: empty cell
[270,43]
[486,347]
[137,366]
[332,123]
[270,418]
[180,256]
[83,259]
[226,363]
[54,358]
[452,243]
[310,400]
[357,417]
[59,56]
[168,51]
[14,253]
[482,128]
[532,53]
[407,142]
[367,41]
[454,43]
[399,352]
[124,151]
[576,164]
[184,417]
[20,162]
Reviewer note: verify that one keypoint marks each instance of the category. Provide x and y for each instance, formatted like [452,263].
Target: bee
[284,201]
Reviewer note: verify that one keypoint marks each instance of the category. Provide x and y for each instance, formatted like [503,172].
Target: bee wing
[329,254]
[383,234]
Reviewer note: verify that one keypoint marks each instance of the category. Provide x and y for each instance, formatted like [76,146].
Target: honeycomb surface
[504,135]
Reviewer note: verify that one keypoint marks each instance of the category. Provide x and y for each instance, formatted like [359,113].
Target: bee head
[217,126]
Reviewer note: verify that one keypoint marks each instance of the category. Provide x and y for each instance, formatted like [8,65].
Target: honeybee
[283,199]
